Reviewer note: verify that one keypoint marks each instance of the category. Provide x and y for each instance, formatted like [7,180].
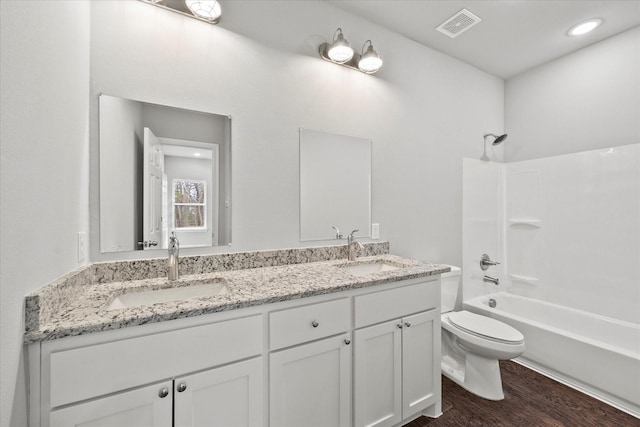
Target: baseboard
[602,396]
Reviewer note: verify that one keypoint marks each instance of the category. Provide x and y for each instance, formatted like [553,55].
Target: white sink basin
[136,299]
[369,268]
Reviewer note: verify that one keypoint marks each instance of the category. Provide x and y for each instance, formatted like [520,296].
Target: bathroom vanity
[327,343]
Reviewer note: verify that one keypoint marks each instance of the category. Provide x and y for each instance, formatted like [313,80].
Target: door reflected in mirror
[335,185]
[162,170]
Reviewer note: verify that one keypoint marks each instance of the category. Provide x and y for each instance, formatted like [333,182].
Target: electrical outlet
[82,246]
[375,231]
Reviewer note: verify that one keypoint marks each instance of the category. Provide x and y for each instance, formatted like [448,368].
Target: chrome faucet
[174,248]
[490,279]
[351,243]
[338,233]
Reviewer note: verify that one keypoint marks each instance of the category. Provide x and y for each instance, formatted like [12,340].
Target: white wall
[424,111]
[44,134]
[586,100]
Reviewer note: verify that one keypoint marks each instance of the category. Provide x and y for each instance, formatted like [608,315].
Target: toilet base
[477,374]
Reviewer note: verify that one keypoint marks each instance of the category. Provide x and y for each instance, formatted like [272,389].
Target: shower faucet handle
[485,262]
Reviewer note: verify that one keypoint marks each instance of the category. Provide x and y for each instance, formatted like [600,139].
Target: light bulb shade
[205,9]
[370,61]
[340,51]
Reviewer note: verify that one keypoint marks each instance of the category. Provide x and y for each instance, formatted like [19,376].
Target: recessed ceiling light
[585,27]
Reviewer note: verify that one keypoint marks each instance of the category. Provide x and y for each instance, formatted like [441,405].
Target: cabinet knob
[315,324]
[407,324]
[164,392]
[400,325]
[347,341]
[181,387]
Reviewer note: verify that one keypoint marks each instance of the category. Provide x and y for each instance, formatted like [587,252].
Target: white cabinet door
[420,362]
[229,396]
[397,369]
[310,384]
[142,407]
[378,375]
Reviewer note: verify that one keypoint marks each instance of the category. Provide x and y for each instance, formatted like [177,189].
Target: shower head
[498,138]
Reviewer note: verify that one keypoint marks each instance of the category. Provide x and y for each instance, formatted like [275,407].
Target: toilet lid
[485,326]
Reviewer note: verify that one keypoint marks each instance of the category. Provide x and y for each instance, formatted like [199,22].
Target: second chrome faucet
[351,246]
[173,260]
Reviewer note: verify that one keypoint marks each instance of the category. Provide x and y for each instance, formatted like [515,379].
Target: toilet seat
[485,327]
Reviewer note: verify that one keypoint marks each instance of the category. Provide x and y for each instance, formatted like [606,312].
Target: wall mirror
[163,169]
[335,185]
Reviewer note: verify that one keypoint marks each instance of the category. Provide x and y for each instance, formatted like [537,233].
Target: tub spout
[490,279]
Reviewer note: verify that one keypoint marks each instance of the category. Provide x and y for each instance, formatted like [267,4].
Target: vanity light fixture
[209,10]
[585,27]
[370,61]
[340,52]
[202,10]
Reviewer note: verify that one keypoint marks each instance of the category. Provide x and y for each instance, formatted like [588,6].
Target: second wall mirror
[335,185]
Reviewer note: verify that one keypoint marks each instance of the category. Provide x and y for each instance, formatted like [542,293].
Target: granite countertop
[86,310]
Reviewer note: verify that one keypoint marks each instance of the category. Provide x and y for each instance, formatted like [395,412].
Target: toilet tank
[450,286]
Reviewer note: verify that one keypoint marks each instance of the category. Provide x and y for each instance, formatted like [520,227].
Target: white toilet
[472,344]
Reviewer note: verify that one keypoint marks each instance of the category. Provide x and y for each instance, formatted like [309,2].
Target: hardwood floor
[531,399]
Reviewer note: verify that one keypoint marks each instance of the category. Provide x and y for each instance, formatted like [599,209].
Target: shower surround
[567,230]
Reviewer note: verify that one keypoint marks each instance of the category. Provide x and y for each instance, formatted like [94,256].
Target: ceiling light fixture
[209,10]
[585,27]
[202,10]
[339,52]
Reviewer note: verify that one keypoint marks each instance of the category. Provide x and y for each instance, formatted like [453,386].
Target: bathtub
[595,354]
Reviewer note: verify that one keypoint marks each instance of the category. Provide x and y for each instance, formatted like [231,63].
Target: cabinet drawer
[95,370]
[377,307]
[302,324]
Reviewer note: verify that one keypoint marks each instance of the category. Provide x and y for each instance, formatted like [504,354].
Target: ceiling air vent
[458,23]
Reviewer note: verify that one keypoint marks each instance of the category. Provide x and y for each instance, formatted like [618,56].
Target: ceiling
[513,36]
